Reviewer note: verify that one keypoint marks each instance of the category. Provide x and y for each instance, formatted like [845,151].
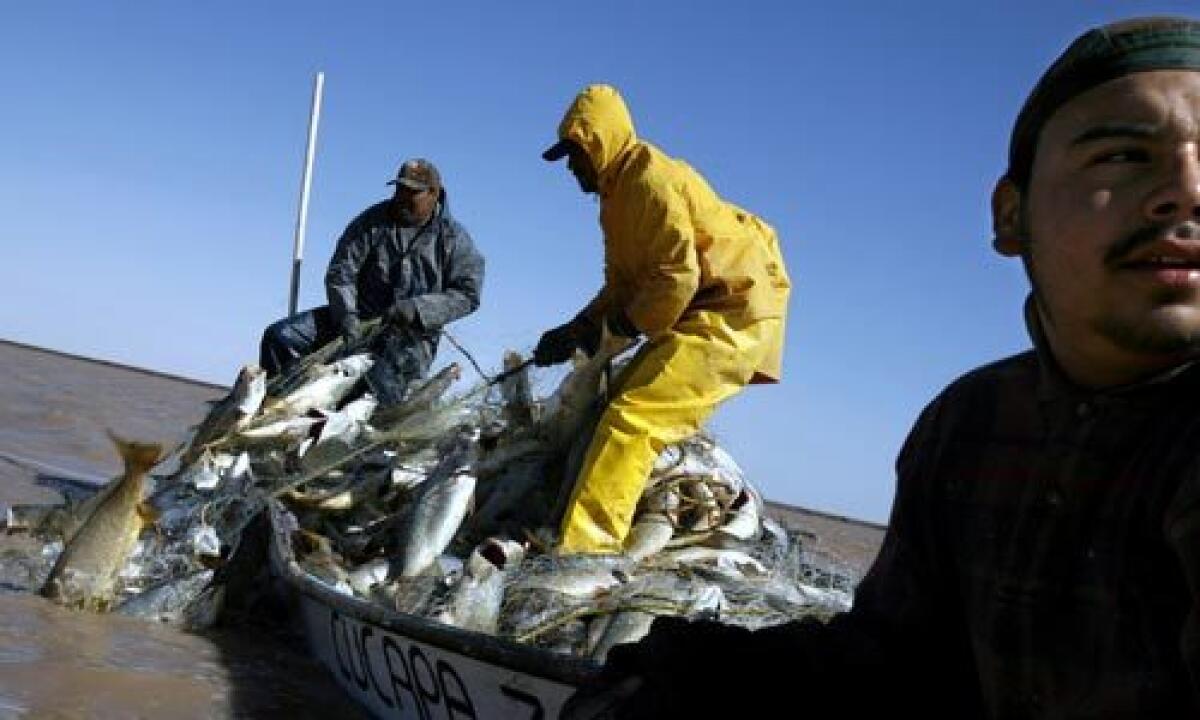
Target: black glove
[402,314]
[352,332]
[556,346]
[620,325]
[587,335]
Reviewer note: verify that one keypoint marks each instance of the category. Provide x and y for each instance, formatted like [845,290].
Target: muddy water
[60,664]
[56,663]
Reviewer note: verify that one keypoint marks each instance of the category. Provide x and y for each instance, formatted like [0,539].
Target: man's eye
[1125,155]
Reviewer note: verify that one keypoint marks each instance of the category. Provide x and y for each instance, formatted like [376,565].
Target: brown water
[56,663]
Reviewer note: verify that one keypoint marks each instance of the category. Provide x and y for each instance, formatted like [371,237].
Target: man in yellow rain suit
[702,279]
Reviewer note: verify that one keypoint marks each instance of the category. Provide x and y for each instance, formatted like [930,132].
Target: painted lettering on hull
[396,677]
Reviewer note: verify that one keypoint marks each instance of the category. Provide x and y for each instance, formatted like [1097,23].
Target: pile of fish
[441,506]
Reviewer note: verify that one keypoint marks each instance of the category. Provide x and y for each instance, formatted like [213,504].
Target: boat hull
[402,666]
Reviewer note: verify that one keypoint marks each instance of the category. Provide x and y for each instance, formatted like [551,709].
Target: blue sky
[150,158]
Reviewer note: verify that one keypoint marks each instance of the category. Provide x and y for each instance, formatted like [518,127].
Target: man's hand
[643,680]
[557,345]
[402,314]
[587,335]
[656,677]
[352,332]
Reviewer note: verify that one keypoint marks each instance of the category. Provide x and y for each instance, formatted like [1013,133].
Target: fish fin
[139,457]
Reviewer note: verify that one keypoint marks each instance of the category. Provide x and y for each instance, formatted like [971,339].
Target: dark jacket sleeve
[341,279]
[1182,528]
[461,287]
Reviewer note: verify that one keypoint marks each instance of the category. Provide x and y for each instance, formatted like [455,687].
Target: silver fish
[339,433]
[636,604]
[230,414]
[474,601]
[435,513]
[624,627]
[650,533]
[574,578]
[366,576]
[324,392]
[188,602]
[732,562]
[354,490]
[283,433]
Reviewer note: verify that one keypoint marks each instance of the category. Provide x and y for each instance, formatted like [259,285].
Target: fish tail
[139,457]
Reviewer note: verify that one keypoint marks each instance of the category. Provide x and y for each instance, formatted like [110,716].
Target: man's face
[581,167]
[1109,227]
[415,207]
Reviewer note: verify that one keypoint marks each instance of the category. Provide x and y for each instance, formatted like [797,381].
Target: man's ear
[1009,231]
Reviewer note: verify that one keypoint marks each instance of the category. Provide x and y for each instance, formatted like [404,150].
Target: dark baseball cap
[417,174]
[557,151]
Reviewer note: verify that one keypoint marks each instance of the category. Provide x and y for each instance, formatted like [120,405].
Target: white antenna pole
[302,216]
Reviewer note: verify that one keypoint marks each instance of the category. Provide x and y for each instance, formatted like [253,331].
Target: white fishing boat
[403,666]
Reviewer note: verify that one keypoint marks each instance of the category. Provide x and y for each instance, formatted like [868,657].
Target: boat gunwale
[507,654]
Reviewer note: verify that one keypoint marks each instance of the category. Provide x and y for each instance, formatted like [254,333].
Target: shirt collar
[1053,383]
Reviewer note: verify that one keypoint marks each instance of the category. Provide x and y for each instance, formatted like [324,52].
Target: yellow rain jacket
[671,245]
[702,278]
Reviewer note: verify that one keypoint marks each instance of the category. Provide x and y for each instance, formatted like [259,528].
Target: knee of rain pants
[665,394]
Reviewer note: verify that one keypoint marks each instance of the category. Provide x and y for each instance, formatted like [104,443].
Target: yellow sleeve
[669,270]
[598,307]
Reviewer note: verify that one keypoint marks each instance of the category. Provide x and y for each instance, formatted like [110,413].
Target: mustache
[1149,234]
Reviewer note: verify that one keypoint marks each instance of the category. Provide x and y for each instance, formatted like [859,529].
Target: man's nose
[1178,196]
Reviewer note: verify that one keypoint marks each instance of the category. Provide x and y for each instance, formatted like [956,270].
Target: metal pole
[314,117]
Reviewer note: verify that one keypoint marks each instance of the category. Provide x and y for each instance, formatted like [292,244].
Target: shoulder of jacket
[977,390]
[648,172]
[373,215]
[1012,369]
[452,228]
[379,209]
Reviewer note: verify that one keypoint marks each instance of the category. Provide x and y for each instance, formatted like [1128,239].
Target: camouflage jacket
[378,263]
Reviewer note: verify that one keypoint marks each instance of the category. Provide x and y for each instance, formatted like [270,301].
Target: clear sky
[150,159]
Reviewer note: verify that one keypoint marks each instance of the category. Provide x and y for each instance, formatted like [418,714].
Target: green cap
[1099,55]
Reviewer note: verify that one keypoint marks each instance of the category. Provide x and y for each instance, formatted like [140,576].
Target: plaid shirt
[1044,544]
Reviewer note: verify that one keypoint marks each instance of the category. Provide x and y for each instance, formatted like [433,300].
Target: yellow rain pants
[665,394]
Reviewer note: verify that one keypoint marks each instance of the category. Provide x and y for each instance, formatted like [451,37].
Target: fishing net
[475,479]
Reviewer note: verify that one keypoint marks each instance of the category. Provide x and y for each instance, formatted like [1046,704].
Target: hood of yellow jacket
[599,122]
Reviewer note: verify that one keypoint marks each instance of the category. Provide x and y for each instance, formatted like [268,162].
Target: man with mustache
[1043,555]
[406,260]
